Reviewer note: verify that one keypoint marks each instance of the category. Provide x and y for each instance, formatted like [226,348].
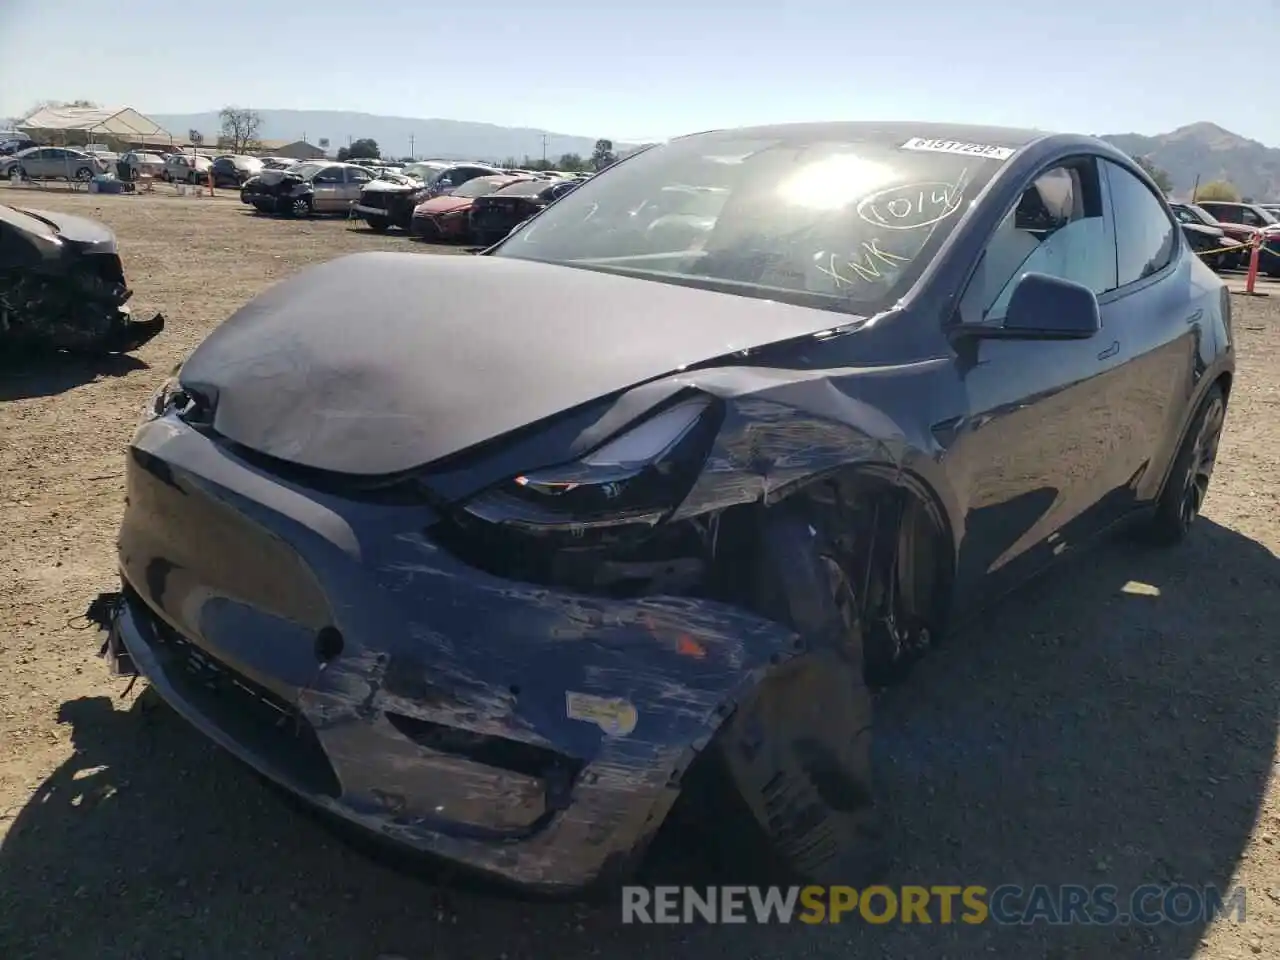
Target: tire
[1188,482]
[378,224]
[84,174]
[784,791]
[300,207]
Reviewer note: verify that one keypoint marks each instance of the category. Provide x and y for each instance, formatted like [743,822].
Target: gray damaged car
[622,521]
[62,287]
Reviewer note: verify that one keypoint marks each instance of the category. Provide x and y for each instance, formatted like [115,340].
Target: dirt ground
[1081,733]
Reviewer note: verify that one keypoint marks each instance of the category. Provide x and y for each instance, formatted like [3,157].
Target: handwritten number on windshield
[913,205]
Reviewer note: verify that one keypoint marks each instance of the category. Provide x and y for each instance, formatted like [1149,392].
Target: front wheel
[84,175]
[1188,482]
[300,207]
[785,788]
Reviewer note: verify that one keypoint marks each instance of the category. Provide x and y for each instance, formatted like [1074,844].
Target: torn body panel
[62,287]
[468,716]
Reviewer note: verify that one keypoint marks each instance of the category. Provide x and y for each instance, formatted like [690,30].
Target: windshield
[1202,214]
[424,171]
[830,223]
[479,187]
[306,170]
[1267,216]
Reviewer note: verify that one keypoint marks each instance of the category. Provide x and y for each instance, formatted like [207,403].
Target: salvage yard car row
[433,199]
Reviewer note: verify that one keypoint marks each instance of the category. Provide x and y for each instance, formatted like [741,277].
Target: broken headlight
[170,396]
[630,483]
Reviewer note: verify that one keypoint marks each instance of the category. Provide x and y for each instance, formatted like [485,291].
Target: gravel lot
[1080,734]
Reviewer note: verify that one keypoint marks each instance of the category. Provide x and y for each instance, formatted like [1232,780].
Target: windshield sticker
[982,150]
[866,265]
[914,205]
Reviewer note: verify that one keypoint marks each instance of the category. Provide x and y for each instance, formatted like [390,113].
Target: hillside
[1212,153]
[446,139]
[1202,149]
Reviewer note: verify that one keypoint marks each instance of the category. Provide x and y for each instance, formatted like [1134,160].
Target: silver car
[52,163]
[186,168]
[143,164]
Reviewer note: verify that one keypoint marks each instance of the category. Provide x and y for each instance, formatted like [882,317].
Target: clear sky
[656,68]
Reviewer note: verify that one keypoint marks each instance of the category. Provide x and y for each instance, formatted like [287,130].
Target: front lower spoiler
[536,736]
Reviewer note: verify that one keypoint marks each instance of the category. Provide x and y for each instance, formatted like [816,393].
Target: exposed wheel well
[891,539]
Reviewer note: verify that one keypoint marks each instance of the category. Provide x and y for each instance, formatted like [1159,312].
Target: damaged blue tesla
[510,559]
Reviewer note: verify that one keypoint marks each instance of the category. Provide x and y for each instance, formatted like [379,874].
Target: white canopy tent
[68,124]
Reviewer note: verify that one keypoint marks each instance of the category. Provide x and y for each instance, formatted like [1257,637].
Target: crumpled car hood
[78,231]
[377,363]
[391,186]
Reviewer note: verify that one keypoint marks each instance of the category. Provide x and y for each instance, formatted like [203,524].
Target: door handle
[1195,317]
[1111,351]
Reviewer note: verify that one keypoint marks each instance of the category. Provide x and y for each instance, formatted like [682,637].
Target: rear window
[843,224]
[479,187]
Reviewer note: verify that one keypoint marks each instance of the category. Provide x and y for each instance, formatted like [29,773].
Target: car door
[48,162]
[1156,315]
[1035,439]
[328,190]
[357,179]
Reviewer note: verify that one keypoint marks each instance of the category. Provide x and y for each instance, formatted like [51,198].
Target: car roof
[900,130]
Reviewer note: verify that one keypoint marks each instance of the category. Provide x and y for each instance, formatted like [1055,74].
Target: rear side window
[1145,235]
[1224,212]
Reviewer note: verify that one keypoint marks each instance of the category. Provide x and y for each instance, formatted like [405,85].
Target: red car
[447,217]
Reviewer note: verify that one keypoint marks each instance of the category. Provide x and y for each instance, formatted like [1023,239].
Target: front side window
[840,222]
[1257,217]
[329,175]
[1058,227]
[1146,238]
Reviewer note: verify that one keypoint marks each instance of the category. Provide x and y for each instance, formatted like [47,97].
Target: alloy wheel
[1204,455]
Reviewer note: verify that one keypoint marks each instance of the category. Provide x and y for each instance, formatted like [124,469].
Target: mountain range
[1199,150]
[1207,151]
[397,136]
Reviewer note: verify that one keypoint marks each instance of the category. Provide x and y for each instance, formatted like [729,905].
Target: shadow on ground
[46,375]
[1079,734]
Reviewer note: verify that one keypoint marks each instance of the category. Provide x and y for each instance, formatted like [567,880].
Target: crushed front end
[62,287]
[354,644]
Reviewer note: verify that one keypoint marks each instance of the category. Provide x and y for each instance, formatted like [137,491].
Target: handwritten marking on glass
[912,206]
[866,264]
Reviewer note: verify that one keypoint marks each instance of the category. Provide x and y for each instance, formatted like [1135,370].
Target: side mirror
[1044,307]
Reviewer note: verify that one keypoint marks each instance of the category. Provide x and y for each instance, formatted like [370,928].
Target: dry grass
[1080,734]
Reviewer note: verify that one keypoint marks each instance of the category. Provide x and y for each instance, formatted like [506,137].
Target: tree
[602,155]
[1217,190]
[1161,177]
[240,129]
[571,163]
[343,154]
[363,149]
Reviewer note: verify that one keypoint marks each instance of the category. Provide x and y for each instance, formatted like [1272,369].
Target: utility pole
[1195,189]
[545,138]
[412,155]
